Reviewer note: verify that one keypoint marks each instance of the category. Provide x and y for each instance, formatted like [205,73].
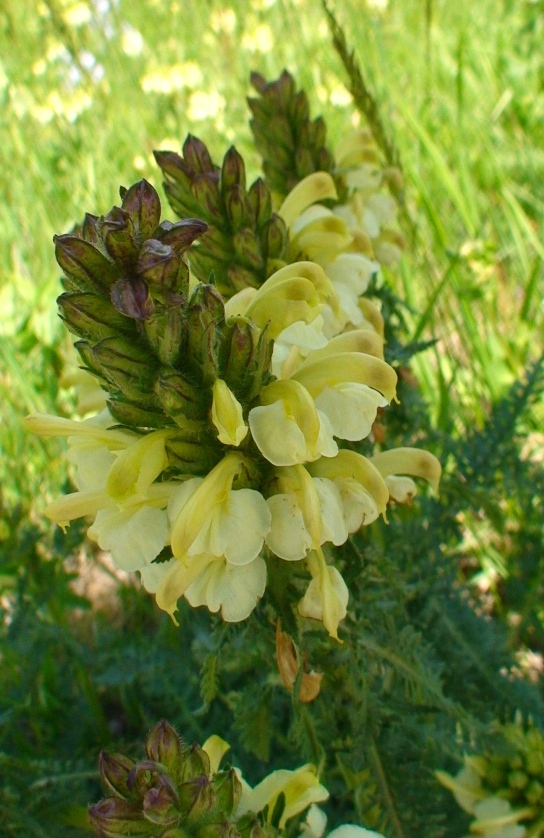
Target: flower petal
[239,527]
[134,538]
[288,537]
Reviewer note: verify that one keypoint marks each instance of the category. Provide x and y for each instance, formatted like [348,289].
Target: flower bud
[121,237]
[182,234]
[142,202]
[192,457]
[164,331]
[114,817]
[233,171]
[87,268]
[180,398]
[194,764]
[238,208]
[157,264]
[131,297]
[205,314]
[247,359]
[136,417]
[160,803]
[114,770]
[197,798]
[247,247]
[164,745]
[228,790]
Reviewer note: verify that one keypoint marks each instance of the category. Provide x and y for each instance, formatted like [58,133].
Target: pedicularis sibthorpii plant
[261,427]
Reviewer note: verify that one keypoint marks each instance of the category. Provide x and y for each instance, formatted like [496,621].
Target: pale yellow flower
[301,788]
[326,598]
[287,428]
[227,415]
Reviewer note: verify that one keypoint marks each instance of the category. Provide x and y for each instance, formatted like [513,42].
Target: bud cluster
[245,241]
[506,788]
[291,144]
[292,147]
[179,791]
[174,791]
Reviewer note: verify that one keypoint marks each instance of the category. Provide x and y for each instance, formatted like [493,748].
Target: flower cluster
[180,791]
[504,791]
[230,416]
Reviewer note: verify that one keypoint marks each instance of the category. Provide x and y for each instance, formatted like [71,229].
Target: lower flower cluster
[180,791]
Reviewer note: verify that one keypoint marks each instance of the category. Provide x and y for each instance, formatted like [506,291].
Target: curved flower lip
[312,189]
[350,464]
[412,461]
[315,375]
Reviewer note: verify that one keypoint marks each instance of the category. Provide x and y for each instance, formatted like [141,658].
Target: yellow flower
[296,521]
[316,187]
[300,787]
[362,489]
[412,461]
[287,428]
[227,415]
[327,596]
[208,516]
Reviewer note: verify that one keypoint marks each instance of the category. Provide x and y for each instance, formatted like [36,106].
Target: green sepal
[90,316]
[180,397]
[86,268]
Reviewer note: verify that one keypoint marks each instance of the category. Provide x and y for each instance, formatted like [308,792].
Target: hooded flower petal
[412,461]
[316,187]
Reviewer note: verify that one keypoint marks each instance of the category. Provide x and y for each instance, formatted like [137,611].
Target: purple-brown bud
[114,770]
